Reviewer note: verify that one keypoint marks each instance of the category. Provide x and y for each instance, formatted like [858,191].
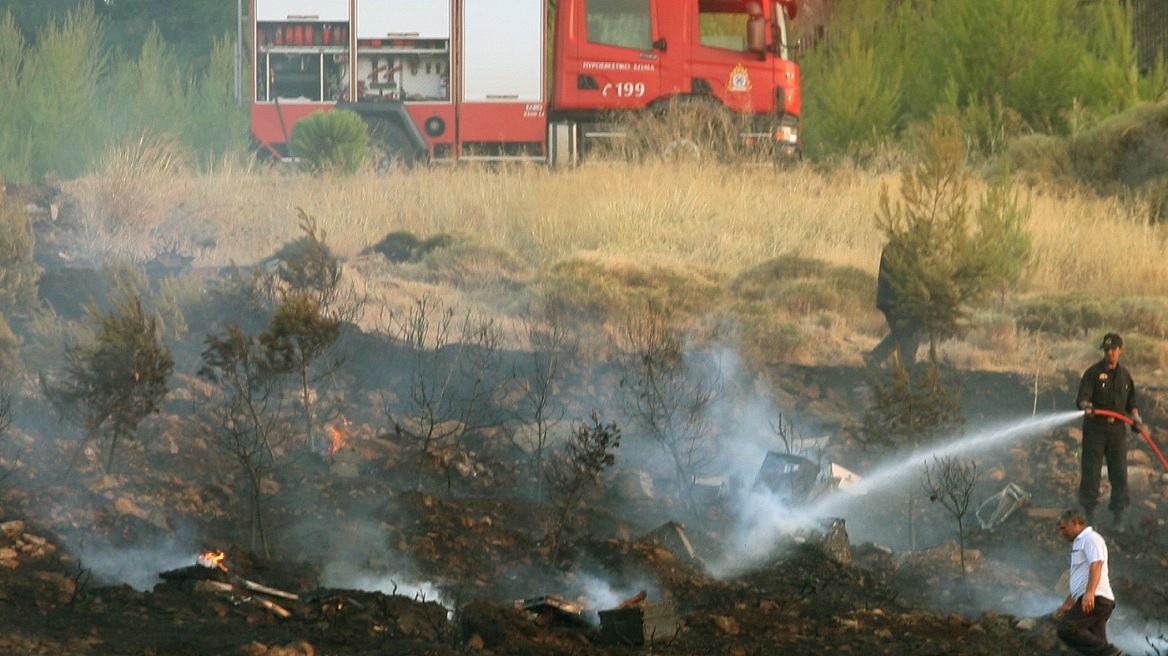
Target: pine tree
[111,384]
[946,254]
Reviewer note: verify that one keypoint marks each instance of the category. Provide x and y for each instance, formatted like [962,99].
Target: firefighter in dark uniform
[1106,385]
[904,333]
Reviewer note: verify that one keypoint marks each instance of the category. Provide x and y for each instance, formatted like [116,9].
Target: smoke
[339,574]
[765,519]
[598,593]
[358,556]
[137,566]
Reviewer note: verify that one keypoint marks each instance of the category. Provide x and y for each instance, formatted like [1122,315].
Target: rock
[727,625]
[12,529]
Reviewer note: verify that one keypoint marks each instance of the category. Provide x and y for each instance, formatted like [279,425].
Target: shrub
[1075,315]
[945,254]
[471,264]
[403,246]
[336,141]
[604,290]
[116,380]
[18,270]
[806,286]
[308,265]
[855,103]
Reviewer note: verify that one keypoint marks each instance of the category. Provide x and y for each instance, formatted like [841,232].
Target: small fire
[339,439]
[213,559]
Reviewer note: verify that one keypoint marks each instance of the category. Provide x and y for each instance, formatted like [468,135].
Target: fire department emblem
[739,79]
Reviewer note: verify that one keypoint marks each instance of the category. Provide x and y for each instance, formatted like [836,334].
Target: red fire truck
[445,80]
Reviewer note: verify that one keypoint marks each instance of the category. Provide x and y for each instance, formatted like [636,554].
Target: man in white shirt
[1082,619]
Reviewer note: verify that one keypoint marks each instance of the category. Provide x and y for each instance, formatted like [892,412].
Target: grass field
[714,220]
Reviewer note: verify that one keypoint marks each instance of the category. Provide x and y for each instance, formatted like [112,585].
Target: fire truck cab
[446,80]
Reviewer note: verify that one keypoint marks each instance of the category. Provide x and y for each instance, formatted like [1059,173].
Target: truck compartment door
[410,19]
[315,10]
[503,61]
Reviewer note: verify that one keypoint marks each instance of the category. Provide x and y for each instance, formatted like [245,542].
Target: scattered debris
[551,608]
[638,621]
[671,535]
[836,543]
[996,509]
[798,481]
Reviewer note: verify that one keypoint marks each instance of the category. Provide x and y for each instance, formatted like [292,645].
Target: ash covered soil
[107,563]
[364,555]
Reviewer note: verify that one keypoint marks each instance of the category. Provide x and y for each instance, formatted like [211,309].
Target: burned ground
[366,556]
[481,549]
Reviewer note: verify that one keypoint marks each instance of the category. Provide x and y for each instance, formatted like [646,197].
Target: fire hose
[1145,433]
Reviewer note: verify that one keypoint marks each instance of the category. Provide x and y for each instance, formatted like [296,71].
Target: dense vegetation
[80,77]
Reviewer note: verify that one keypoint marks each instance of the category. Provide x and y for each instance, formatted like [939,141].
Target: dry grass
[708,221]
[131,196]
[1098,246]
[724,218]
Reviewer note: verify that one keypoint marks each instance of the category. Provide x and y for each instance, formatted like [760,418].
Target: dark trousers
[902,336]
[1104,441]
[1086,633]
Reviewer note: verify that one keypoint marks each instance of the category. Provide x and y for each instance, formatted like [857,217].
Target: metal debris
[996,509]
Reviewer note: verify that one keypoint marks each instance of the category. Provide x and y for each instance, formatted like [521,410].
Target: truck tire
[690,129]
[392,145]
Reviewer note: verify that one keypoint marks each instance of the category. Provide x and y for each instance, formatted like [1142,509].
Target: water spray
[894,472]
[1145,433]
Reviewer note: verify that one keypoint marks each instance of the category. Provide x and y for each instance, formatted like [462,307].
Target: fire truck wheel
[392,146]
[682,150]
[689,130]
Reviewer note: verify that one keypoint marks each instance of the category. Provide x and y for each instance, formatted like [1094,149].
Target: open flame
[339,439]
[213,559]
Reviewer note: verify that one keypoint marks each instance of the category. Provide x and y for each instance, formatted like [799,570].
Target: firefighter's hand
[1087,408]
[1137,423]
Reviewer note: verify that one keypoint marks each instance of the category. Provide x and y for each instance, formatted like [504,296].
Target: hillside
[389,546]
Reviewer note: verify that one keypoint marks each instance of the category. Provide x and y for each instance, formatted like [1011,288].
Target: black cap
[1111,340]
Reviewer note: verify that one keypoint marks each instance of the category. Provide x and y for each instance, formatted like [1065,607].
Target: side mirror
[756,34]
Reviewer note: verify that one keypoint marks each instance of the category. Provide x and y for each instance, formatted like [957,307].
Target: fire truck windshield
[726,29]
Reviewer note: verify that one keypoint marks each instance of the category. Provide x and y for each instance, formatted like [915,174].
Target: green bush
[855,103]
[403,246]
[1004,67]
[1074,315]
[336,141]
[18,270]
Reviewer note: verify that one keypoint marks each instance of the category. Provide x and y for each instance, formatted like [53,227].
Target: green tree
[216,126]
[150,91]
[853,93]
[18,268]
[1005,67]
[111,384]
[299,336]
[947,255]
[588,452]
[60,87]
[911,407]
[336,141]
[16,144]
[189,26]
